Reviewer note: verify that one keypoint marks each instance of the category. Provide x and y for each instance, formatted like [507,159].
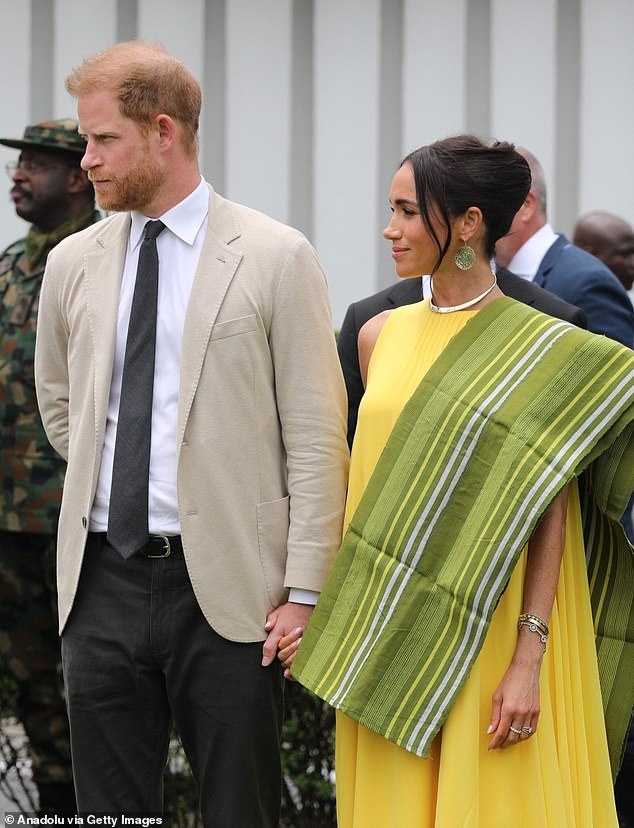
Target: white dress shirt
[179,247]
[526,261]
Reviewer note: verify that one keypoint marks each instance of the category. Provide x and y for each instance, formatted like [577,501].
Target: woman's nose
[391,231]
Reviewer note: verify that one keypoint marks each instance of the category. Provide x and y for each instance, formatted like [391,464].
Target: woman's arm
[516,700]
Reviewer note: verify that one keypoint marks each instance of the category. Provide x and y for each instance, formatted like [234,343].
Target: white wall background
[309,105]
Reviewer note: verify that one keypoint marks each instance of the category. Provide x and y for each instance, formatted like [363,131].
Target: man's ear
[528,209]
[167,130]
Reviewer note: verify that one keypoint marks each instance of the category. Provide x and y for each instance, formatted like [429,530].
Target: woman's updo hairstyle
[461,172]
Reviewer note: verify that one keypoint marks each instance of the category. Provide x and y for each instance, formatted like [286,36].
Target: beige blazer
[262,454]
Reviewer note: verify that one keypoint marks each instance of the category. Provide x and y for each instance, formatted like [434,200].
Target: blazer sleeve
[349,357]
[311,404]
[51,363]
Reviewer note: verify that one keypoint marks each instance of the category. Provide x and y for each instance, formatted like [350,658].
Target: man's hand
[285,626]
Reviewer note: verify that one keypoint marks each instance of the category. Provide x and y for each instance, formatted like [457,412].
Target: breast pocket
[235,327]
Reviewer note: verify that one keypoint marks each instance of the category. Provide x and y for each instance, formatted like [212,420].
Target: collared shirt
[179,247]
[527,259]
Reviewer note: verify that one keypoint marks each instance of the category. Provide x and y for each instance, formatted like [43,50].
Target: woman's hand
[515,708]
[515,703]
[284,627]
[287,649]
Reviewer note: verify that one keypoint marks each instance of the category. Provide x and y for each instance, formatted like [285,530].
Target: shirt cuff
[303,596]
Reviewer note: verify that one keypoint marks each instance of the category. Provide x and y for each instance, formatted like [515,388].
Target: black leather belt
[161,546]
[158,546]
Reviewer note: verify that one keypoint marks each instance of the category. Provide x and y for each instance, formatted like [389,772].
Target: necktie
[128,511]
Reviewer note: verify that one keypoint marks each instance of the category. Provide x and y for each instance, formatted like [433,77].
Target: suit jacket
[408,291]
[262,456]
[580,278]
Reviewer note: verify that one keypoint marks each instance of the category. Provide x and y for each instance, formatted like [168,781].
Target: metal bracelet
[533,628]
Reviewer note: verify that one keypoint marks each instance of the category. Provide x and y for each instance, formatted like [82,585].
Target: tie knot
[152,230]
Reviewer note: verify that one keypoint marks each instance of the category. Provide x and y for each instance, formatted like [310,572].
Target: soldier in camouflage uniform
[53,194]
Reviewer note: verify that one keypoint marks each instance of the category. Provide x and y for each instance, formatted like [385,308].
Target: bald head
[611,239]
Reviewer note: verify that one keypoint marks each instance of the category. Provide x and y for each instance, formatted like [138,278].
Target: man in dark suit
[408,291]
[534,251]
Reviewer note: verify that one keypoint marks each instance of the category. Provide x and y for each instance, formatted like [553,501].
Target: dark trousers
[137,653]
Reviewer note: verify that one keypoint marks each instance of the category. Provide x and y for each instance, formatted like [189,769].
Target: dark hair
[463,171]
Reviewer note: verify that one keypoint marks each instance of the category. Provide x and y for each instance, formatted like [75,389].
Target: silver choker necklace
[465,305]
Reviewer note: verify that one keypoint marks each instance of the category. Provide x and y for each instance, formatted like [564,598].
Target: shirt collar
[527,259]
[184,219]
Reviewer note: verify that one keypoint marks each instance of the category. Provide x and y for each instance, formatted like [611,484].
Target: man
[610,239]
[52,193]
[163,608]
[408,291]
[534,251]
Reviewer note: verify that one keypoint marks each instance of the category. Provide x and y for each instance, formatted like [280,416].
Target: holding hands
[285,627]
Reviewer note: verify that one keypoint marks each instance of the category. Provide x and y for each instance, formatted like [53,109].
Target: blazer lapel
[216,268]
[515,286]
[103,271]
[547,263]
[406,292]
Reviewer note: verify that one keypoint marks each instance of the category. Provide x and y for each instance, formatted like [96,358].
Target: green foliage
[307,761]
[14,784]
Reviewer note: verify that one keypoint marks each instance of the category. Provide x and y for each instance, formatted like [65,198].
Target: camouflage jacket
[31,472]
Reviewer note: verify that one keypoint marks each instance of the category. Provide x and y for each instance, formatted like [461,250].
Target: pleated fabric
[560,778]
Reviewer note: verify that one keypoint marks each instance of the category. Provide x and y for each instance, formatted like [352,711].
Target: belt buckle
[167,549]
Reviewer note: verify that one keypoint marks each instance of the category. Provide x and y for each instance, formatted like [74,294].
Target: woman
[455,633]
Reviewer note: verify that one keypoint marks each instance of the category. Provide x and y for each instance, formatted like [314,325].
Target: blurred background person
[611,239]
[534,251]
[52,193]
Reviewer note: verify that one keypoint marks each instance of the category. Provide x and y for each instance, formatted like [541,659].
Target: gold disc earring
[465,257]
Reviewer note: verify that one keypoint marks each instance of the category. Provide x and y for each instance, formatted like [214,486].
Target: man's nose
[89,159]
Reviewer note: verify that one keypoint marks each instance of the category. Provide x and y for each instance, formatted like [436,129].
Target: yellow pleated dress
[560,777]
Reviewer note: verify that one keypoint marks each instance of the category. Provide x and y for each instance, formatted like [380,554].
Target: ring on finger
[527,730]
[515,730]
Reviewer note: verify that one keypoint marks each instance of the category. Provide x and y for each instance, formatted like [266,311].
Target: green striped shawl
[516,406]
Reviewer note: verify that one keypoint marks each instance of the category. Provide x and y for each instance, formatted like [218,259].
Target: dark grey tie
[128,512]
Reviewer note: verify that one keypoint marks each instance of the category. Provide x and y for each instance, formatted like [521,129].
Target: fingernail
[489,730]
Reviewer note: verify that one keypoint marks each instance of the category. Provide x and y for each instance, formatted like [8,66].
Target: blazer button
[84,522]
